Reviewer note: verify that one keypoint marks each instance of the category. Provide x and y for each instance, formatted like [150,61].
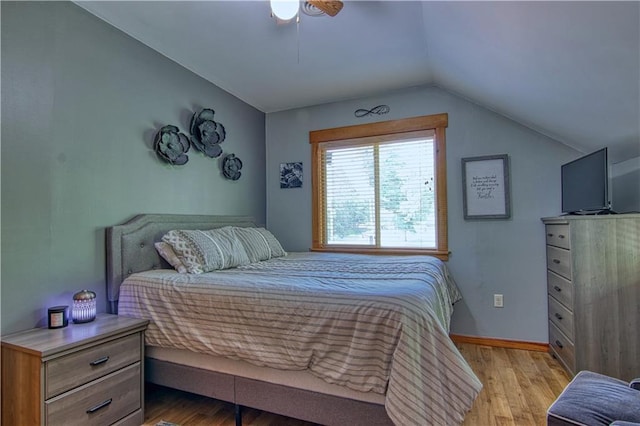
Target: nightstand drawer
[560,288]
[562,348]
[558,235]
[101,402]
[69,371]
[559,261]
[561,317]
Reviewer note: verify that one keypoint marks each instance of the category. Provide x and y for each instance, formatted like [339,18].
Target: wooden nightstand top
[45,342]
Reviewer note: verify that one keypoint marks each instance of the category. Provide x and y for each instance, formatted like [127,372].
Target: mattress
[375,324]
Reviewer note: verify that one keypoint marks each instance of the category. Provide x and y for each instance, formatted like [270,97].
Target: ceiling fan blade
[330,7]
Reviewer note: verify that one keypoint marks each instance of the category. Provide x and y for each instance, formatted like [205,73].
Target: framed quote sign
[485,187]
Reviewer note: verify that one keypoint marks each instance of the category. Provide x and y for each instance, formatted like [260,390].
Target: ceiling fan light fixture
[285,10]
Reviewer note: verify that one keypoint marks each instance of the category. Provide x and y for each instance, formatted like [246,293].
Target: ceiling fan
[330,7]
[286,10]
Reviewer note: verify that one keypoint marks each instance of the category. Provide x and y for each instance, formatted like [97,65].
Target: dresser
[593,286]
[83,374]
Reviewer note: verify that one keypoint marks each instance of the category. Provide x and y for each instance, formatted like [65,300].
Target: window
[381,187]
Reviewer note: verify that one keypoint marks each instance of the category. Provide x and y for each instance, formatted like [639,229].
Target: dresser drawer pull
[99,361]
[556,261]
[559,344]
[560,236]
[556,288]
[549,235]
[559,316]
[99,406]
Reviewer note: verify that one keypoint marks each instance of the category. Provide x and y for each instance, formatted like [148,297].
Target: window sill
[442,255]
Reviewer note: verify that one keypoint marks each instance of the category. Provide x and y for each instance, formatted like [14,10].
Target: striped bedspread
[371,323]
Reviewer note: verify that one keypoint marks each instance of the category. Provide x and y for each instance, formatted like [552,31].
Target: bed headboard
[130,246]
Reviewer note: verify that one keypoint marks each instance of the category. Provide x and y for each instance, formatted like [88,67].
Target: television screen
[585,184]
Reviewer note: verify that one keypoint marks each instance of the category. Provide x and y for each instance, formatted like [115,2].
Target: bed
[328,338]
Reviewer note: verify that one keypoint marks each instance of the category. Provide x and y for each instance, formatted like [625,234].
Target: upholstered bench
[593,399]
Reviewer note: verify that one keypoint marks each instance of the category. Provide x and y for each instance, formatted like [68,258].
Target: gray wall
[81,102]
[500,256]
[625,186]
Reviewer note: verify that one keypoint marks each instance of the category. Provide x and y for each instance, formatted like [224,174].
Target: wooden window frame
[437,123]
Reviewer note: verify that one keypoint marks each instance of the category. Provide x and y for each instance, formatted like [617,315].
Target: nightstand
[83,374]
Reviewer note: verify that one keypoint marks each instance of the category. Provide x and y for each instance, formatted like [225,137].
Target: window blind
[380,191]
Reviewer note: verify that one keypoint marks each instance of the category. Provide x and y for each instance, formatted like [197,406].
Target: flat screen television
[585,184]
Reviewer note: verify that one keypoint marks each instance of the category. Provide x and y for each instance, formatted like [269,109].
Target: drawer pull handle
[99,406]
[561,236]
[556,261]
[99,361]
[549,235]
[559,344]
[556,288]
[559,316]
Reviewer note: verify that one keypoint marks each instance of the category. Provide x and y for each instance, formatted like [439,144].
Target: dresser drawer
[561,317]
[560,288]
[558,235]
[559,261]
[69,371]
[101,402]
[562,348]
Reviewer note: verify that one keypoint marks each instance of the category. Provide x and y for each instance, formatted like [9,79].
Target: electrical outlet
[498,301]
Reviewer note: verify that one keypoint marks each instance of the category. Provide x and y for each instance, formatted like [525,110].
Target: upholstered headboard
[130,246]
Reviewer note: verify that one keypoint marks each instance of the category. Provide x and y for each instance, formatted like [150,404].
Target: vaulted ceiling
[570,70]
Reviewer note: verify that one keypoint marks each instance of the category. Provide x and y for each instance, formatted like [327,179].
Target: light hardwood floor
[518,388]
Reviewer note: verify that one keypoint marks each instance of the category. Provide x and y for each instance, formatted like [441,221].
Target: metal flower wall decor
[231,166]
[171,145]
[206,134]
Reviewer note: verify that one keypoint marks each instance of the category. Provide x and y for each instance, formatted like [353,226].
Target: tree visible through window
[381,187]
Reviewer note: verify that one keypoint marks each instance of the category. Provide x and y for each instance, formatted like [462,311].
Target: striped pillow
[205,251]
[259,244]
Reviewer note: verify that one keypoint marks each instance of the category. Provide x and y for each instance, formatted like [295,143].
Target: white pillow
[167,253]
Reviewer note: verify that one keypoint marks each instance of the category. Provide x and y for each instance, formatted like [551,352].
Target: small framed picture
[291,175]
[485,187]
